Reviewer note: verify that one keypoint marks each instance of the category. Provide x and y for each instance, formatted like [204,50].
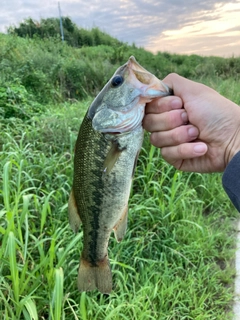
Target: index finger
[164,104]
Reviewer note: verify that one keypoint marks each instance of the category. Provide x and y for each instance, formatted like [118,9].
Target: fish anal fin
[121,226]
[73,215]
[112,157]
[95,277]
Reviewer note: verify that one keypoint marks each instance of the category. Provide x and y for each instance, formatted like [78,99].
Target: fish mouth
[124,118]
[141,74]
[156,87]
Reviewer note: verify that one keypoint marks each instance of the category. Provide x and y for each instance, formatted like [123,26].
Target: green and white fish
[107,148]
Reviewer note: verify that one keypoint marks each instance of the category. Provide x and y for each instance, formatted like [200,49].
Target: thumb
[181,86]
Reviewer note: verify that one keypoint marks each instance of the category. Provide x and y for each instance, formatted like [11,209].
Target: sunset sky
[182,26]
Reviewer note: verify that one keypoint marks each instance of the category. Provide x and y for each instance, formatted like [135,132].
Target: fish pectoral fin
[112,157]
[73,215]
[121,226]
[95,277]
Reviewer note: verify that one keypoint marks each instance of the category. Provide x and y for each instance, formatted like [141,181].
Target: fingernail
[200,148]
[193,132]
[184,117]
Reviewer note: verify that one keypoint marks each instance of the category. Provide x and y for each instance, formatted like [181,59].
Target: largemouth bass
[106,152]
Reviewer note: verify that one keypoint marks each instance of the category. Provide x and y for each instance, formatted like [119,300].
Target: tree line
[73,35]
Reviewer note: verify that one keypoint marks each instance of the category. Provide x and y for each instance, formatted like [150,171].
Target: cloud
[144,22]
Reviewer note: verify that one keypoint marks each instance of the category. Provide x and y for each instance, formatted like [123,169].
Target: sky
[207,27]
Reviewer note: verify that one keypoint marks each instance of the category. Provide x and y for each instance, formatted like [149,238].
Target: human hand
[198,130]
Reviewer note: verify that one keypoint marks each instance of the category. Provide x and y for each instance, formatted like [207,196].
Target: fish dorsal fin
[112,156]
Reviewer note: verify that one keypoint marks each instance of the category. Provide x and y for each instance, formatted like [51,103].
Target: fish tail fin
[95,277]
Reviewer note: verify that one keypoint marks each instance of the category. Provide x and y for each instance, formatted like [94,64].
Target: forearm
[231,180]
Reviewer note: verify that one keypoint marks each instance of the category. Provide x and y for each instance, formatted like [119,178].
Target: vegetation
[175,261]
[74,36]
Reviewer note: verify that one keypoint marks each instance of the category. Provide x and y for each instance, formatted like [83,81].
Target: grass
[175,261]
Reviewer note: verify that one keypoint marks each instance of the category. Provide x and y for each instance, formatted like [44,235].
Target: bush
[16,102]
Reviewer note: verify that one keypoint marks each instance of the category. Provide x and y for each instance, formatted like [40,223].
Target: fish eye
[117,81]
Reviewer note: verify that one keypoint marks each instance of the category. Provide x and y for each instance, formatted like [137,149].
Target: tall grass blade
[31,309]
[83,308]
[12,253]
[45,210]
[6,185]
[57,297]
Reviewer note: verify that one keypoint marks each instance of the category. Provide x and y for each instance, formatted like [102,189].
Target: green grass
[175,261]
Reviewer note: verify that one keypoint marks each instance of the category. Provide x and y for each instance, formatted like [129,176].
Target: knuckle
[174,118]
[181,151]
[147,122]
[176,137]
[164,153]
[154,139]
[168,156]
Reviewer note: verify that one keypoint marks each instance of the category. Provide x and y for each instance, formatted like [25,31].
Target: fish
[106,152]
